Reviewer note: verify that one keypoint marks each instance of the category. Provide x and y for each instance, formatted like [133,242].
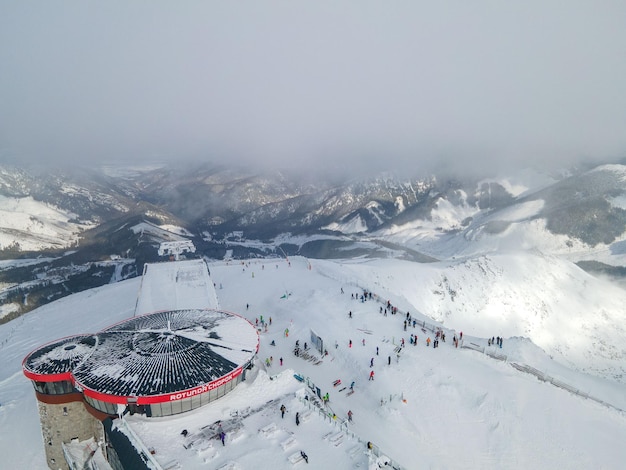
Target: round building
[160,364]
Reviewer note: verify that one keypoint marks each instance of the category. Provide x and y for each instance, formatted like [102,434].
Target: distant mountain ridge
[89,216]
[588,206]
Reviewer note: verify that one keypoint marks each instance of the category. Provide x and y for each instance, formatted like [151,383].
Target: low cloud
[356,85]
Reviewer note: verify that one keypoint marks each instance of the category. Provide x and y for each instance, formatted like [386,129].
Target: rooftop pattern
[151,355]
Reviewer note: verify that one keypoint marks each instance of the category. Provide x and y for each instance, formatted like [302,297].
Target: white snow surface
[167,232]
[8,308]
[524,182]
[171,286]
[514,228]
[353,225]
[38,225]
[443,408]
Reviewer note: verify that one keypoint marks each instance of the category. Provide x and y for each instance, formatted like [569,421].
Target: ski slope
[430,408]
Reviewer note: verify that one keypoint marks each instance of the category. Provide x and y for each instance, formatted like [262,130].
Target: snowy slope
[576,318]
[580,205]
[87,312]
[35,225]
[461,408]
[170,286]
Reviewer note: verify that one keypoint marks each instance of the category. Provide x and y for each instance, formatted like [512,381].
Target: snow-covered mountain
[117,213]
[574,317]
[585,206]
[537,259]
[443,408]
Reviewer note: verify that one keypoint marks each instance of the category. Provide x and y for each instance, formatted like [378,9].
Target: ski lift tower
[175,249]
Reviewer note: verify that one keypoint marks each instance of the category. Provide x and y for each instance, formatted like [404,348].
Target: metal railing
[558,383]
[312,403]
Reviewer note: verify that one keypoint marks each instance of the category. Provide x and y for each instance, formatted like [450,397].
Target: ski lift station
[177,353]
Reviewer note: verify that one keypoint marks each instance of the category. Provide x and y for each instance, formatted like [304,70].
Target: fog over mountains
[533,257]
[79,228]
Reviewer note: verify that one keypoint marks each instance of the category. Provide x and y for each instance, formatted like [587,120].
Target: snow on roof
[86,454]
[176,285]
[459,407]
[59,357]
[152,355]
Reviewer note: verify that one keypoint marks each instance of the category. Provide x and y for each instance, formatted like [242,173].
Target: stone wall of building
[62,422]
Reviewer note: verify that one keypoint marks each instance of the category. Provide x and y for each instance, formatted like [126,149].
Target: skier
[371,375]
[281,361]
[297,419]
[223,437]
[372,362]
[304,456]
[282,411]
[352,386]
[350,415]
[389,361]
[350,343]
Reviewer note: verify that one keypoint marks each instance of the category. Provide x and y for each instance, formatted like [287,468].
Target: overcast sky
[381,84]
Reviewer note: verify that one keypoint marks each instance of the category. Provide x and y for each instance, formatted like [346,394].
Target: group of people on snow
[408,321]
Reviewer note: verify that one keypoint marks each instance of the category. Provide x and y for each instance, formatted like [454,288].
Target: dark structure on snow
[158,364]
